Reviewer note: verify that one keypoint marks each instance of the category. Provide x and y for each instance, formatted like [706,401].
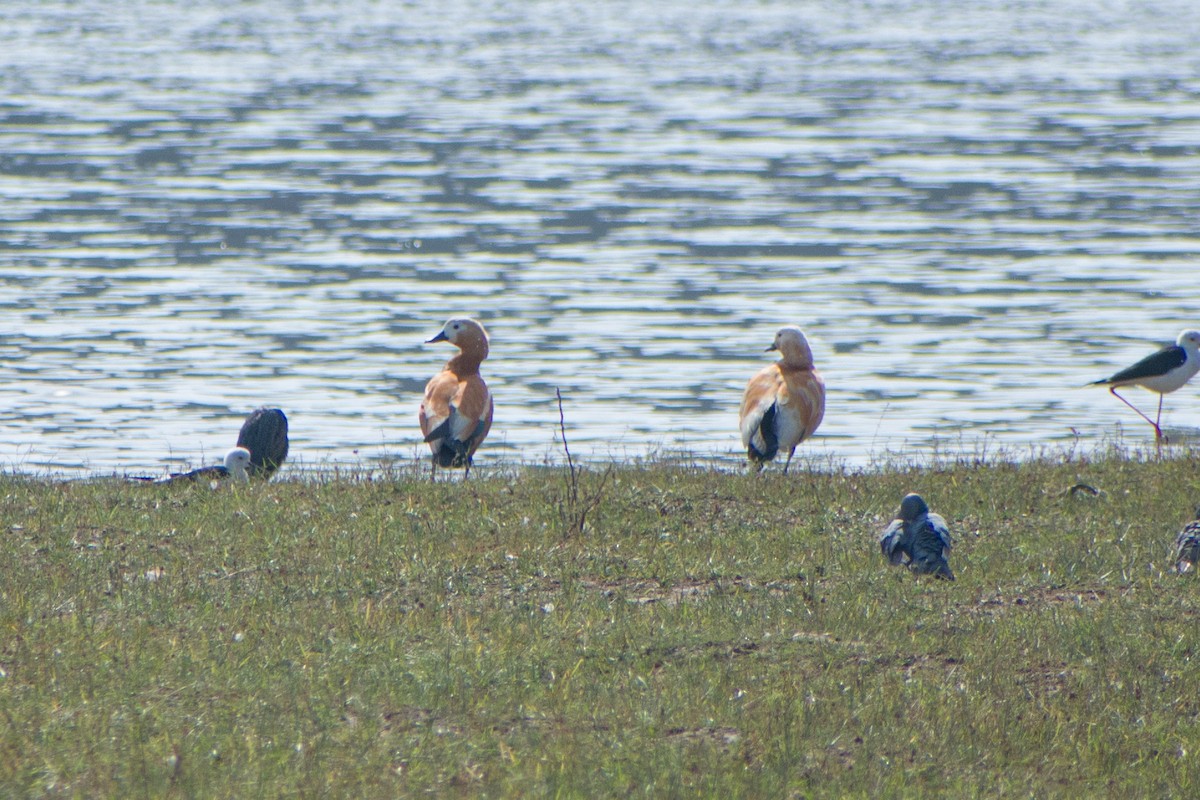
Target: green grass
[706,634]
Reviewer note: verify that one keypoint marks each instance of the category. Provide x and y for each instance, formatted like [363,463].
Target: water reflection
[972,212]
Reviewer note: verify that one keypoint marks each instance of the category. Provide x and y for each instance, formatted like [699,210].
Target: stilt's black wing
[265,435]
[1159,363]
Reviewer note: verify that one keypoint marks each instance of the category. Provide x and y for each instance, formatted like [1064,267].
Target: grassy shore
[659,631]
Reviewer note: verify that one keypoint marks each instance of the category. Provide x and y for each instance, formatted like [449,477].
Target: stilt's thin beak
[441,337]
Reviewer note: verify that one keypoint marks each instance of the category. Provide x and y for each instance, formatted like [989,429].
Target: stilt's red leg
[1157,430]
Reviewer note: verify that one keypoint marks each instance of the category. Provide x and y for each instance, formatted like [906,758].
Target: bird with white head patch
[1162,372]
[784,403]
[456,413]
[236,466]
[920,536]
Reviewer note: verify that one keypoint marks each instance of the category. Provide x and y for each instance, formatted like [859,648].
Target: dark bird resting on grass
[1162,372]
[919,536]
[265,435]
[236,467]
[1187,546]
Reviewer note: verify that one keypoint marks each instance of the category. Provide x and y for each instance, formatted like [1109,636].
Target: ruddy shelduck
[456,413]
[1163,372]
[784,403]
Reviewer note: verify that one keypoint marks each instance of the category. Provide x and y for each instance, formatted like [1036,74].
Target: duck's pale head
[464,333]
[791,342]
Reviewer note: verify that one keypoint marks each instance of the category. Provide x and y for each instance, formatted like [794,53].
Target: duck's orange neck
[791,363]
[797,358]
[472,354]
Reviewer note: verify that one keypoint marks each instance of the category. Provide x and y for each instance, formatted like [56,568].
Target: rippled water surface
[973,209]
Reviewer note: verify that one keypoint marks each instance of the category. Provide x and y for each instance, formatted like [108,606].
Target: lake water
[972,209]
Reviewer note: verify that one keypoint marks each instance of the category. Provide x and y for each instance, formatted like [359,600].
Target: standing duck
[456,413]
[784,403]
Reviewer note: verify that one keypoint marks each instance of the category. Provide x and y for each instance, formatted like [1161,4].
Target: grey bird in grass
[1187,546]
[920,536]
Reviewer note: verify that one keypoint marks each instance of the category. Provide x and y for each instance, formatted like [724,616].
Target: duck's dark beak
[441,337]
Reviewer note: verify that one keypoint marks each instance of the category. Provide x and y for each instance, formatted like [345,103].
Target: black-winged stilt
[1162,372]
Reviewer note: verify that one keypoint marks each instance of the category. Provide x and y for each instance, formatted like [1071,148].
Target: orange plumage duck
[456,413]
[784,403]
